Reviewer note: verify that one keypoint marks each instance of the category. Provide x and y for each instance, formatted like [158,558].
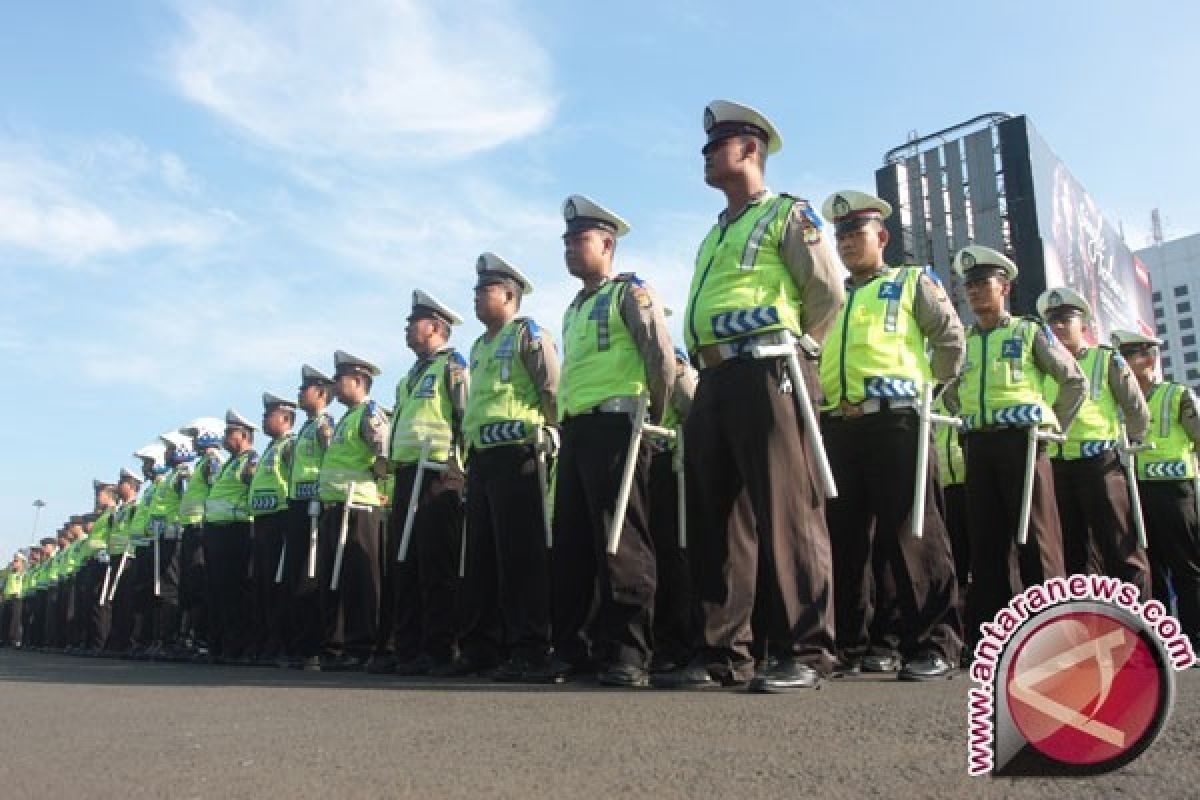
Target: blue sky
[196,198]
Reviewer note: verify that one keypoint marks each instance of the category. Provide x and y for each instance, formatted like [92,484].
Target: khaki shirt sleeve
[642,314]
[1128,395]
[1188,416]
[1054,360]
[540,359]
[684,390]
[375,430]
[939,322]
[808,252]
[458,383]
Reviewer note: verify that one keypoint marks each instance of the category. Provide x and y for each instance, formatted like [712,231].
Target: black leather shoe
[928,667]
[514,670]
[876,663]
[541,670]
[785,676]
[342,663]
[382,664]
[307,663]
[847,666]
[414,667]
[460,667]
[693,676]
[623,676]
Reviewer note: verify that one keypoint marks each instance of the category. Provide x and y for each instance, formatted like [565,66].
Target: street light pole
[38,505]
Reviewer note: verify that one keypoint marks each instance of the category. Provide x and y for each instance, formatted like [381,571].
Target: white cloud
[372,79]
[73,203]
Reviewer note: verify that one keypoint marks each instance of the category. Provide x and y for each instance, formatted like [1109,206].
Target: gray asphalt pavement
[114,729]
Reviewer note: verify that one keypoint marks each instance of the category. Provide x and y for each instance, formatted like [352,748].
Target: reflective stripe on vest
[348,460]
[1173,456]
[875,348]
[139,534]
[740,285]
[503,405]
[228,499]
[600,359]
[269,486]
[1096,426]
[1001,384]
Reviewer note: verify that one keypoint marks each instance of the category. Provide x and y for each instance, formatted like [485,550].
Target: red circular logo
[1085,688]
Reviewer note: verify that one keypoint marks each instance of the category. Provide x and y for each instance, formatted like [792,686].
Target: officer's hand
[380,468]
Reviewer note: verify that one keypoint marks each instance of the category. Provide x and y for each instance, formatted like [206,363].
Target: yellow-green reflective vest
[1173,457]
[307,453]
[348,461]
[139,533]
[600,359]
[1001,385]
[97,540]
[1097,425]
[269,487]
[741,285]
[13,584]
[164,508]
[503,406]
[118,532]
[424,411]
[191,505]
[228,500]
[74,555]
[875,348]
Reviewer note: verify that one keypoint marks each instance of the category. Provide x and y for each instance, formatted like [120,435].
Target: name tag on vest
[1011,348]
[890,290]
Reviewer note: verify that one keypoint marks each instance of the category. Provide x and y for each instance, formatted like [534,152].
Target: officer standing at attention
[616,349]
[1099,535]
[999,395]
[764,273]
[164,524]
[194,606]
[119,548]
[1166,477]
[228,544]
[97,615]
[268,508]
[352,470]
[505,593]
[140,571]
[873,368]
[420,620]
[303,593]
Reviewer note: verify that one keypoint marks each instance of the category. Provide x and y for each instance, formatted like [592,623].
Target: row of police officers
[758,508]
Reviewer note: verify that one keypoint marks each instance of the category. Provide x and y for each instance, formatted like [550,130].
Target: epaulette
[630,277]
[456,359]
[372,408]
[531,326]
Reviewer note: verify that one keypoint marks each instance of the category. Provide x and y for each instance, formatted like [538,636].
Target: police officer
[418,618]
[12,589]
[207,434]
[952,479]
[97,613]
[764,273]
[999,394]
[352,471]
[1166,482]
[141,537]
[674,615]
[121,552]
[616,349]
[873,368]
[1090,486]
[304,511]
[268,509]
[166,527]
[512,406]
[228,546]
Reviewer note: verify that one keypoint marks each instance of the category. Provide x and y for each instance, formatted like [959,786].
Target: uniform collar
[724,217]
[851,281]
[583,294]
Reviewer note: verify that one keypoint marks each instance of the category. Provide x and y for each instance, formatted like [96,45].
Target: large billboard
[994,181]
[1083,250]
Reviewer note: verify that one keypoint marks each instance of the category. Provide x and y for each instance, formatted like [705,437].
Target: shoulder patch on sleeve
[810,222]
[372,408]
[930,273]
[456,359]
